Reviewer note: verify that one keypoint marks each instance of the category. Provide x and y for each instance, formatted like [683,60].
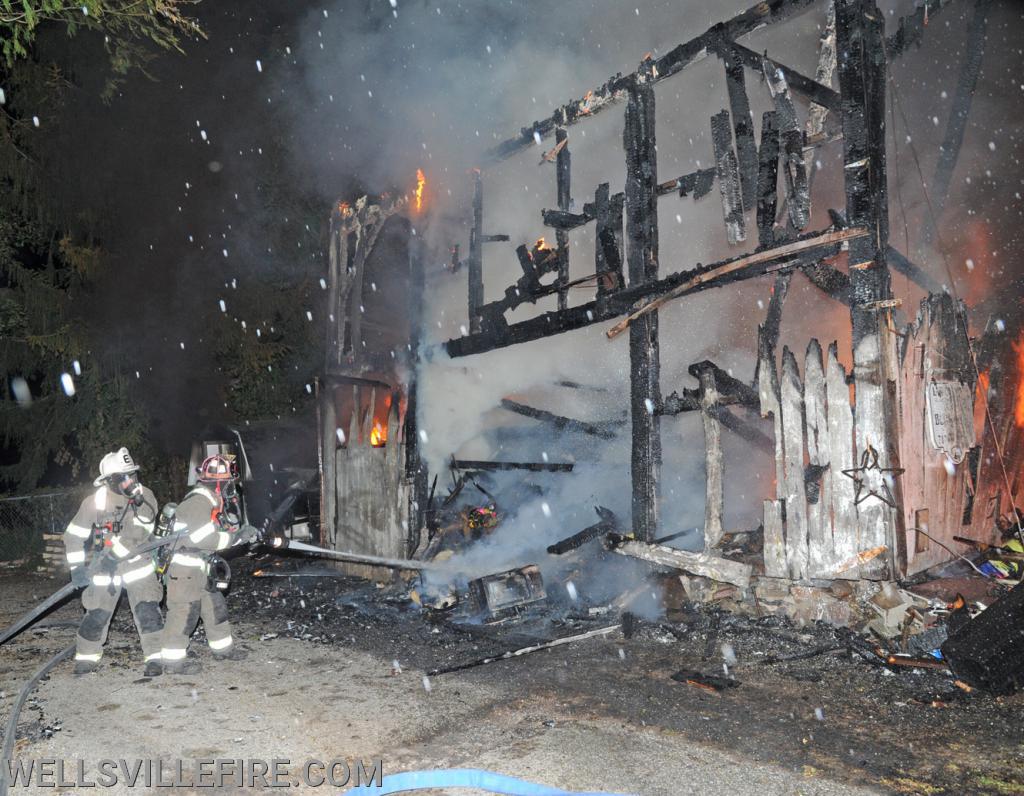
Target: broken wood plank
[540,467]
[703,564]
[742,123]
[727,171]
[791,392]
[714,502]
[845,538]
[608,245]
[558,421]
[774,541]
[603,631]
[794,171]
[768,255]
[820,553]
[767,179]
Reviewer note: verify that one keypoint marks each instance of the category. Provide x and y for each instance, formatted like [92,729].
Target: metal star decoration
[872,478]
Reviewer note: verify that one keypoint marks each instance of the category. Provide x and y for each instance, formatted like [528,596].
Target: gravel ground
[603,714]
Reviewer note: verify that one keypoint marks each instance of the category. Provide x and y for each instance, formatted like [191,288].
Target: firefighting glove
[248,534]
[80,576]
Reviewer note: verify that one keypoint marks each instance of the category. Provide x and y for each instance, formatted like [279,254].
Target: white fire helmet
[114,464]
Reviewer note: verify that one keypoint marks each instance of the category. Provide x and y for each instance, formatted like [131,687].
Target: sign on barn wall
[951,418]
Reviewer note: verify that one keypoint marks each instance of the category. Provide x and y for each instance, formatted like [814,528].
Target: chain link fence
[31,524]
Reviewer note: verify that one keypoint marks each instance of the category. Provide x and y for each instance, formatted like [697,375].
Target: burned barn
[884,428]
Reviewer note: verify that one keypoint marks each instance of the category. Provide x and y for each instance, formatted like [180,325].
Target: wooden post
[476,255]
[563,168]
[713,496]
[642,260]
[862,72]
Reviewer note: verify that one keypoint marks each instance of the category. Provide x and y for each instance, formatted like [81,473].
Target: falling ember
[1018,404]
[378,435]
[421,182]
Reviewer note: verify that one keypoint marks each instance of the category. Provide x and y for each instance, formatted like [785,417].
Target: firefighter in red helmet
[211,513]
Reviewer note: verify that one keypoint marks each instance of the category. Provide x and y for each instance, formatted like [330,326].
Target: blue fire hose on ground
[464,778]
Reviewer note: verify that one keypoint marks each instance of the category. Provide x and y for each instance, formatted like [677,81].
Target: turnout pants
[100,598]
[188,601]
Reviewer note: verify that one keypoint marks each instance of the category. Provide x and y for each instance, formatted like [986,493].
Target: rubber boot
[85,667]
[232,653]
[182,667]
[153,668]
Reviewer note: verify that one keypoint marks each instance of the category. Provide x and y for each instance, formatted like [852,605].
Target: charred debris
[890,458]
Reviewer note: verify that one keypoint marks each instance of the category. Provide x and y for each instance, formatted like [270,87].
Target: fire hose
[12,721]
[465,778]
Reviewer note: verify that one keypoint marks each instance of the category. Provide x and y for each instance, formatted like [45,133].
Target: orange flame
[421,182]
[344,208]
[1018,404]
[541,244]
[378,435]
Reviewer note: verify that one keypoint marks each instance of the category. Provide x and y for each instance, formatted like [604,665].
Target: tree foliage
[51,253]
[130,28]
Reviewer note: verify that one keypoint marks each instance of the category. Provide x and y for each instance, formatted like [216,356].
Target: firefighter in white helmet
[211,514]
[116,518]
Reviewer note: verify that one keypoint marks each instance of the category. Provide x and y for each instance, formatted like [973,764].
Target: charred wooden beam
[494,238]
[563,169]
[810,88]
[564,220]
[703,564]
[727,171]
[767,179]
[769,333]
[696,184]
[642,260]
[742,123]
[745,430]
[608,523]
[957,124]
[675,404]
[810,248]
[476,256]
[790,255]
[829,280]
[730,389]
[537,467]
[558,421]
[608,246]
[676,59]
